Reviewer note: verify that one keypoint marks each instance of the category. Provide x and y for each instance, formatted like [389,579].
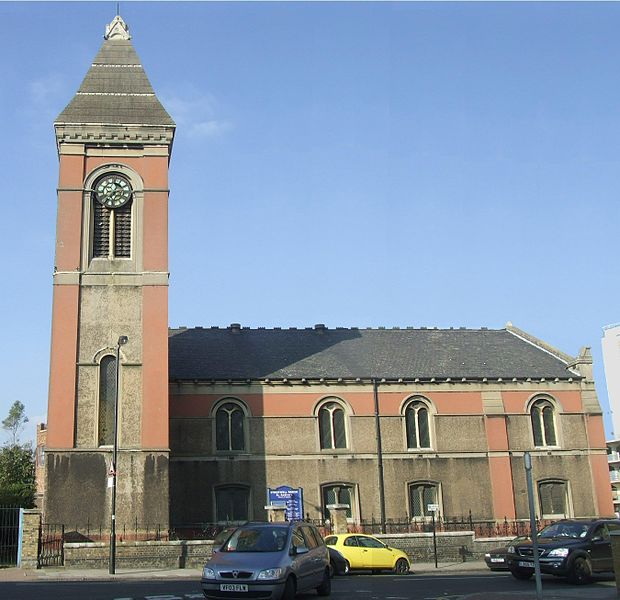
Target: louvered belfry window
[111,229]
[122,231]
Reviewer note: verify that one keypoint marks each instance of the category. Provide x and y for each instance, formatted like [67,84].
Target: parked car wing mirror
[295,550]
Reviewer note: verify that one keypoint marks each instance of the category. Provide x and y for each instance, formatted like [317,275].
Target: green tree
[16,420]
[17,485]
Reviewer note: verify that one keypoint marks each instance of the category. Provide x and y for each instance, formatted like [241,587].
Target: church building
[212,422]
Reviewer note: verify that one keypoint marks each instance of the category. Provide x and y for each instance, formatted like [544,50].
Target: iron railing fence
[135,531]
[51,546]
[9,535]
[98,532]
[480,527]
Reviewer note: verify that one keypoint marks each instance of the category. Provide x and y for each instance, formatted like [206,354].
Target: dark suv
[572,548]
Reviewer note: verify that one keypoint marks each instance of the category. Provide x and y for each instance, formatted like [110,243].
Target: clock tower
[109,350]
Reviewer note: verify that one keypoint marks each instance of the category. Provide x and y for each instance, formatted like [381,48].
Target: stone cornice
[113,134]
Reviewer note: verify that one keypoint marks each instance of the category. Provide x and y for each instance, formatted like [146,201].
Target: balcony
[614,476]
[613,457]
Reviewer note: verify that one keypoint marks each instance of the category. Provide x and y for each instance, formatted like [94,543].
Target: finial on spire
[117,29]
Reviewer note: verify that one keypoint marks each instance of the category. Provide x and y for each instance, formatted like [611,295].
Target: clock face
[113,191]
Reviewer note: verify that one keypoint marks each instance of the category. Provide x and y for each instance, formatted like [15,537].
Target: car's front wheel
[401,567]
[325,589]
[289,589]
[522,573]
[581,571]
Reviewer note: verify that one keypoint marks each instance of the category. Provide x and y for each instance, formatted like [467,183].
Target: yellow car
[367,552]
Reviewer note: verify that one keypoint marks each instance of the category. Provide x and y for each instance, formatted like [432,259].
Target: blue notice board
[292,498]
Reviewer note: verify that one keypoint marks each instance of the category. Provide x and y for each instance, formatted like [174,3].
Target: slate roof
[116,91]
[243,353]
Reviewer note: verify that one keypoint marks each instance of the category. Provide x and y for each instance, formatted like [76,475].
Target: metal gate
[9,535]
[51,546]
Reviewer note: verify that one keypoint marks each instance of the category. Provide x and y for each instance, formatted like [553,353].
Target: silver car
[268,560]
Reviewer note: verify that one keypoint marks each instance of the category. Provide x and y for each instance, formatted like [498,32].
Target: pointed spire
[117,29]
[115,101]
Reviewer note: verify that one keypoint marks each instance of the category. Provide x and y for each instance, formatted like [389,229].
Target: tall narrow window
[107,398]
[543,423]
[339,493]
[421,495]
[553,499]
[232,503]
[417,425]
[332,431]
[112,202]
[230,428]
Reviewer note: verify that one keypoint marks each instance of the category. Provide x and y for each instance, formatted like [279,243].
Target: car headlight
[558,553]
[511,549]
[270,574]
[487,555]
[208,573]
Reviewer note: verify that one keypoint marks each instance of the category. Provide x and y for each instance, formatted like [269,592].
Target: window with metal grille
[421,494]
[107,398]
[417,425]
[553,499]
[230,428]
[338,493]
[232,503]
[543,423]
[332,430]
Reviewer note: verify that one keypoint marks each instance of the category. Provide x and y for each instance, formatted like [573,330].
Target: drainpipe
[375,389]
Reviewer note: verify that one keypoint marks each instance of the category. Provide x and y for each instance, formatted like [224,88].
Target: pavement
[602,590]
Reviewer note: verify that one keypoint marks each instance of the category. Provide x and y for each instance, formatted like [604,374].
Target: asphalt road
[361,587]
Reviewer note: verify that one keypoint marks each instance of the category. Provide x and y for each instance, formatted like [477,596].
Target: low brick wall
[30,524]
[134,555]
[451,547]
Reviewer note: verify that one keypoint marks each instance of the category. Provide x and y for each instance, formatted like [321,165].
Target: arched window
[543,423]
[112,202]
[107,398]
[553,497]
[332,430]
[339,493]
[423,494]
[232,503]
[417,424]
[230,427]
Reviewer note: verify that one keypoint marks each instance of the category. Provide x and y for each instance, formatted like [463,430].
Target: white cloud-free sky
[354,164]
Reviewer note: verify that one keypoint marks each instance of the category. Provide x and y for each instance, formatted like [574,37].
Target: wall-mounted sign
[291,498]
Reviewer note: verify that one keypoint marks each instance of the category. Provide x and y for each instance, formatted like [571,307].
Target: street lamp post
[527,458]
[122,340]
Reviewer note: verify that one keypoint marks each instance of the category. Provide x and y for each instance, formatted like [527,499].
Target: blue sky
[354,164]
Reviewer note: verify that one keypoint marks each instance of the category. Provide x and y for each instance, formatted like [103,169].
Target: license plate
[233,587]
[527,565]
[498,560]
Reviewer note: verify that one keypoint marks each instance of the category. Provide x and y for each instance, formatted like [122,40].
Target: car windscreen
[565,530]
[256,539]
